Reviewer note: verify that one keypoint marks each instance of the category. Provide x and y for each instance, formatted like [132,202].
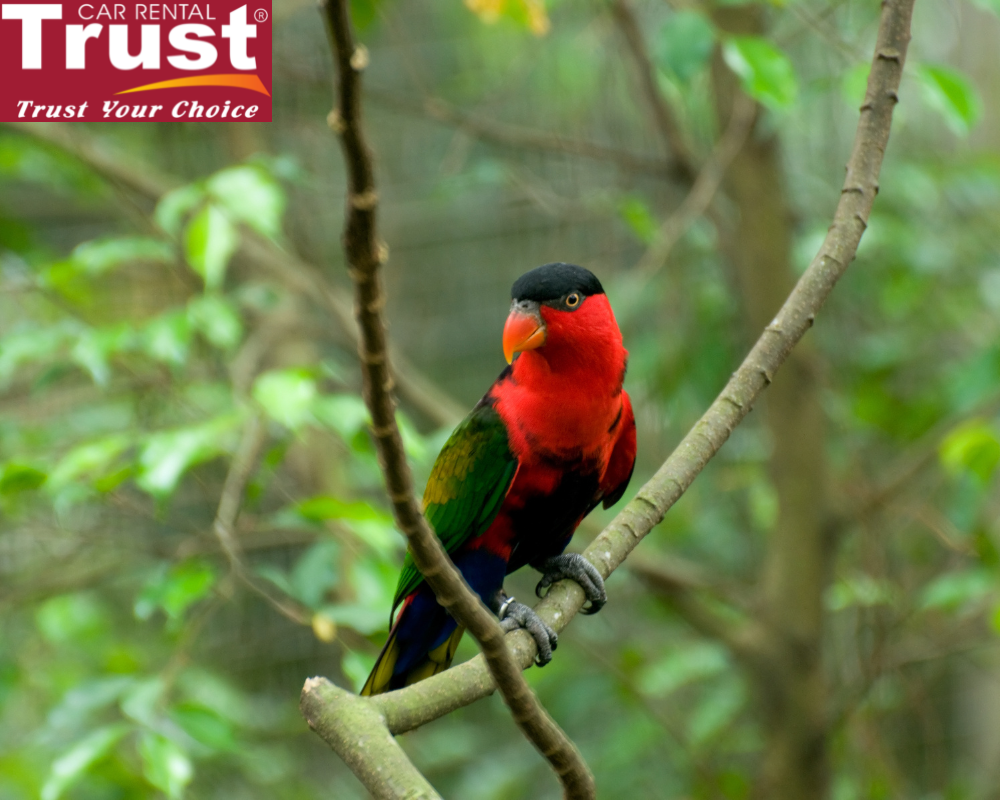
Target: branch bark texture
[435,697]
[365,254]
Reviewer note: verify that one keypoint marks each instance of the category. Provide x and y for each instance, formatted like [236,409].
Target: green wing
[467,486]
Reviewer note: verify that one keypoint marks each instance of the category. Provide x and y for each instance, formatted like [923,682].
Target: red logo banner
[206,60]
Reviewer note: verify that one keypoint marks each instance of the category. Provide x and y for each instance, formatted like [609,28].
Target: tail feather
[437,660]
[378,682]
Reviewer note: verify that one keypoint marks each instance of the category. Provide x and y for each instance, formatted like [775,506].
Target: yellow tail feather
[437,661]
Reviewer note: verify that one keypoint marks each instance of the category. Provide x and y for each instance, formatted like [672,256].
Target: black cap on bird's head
[563,287]
[553,281]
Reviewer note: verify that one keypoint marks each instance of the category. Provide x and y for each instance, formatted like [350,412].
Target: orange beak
[524,330]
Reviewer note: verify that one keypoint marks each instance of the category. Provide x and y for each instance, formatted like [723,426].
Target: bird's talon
[514,615]
[579,569]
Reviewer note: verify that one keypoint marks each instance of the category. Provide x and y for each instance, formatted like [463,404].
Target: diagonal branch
[430,699]
[506,135]
[365,255]
[703,190]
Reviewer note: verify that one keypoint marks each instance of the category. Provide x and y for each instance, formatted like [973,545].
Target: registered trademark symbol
[260,15]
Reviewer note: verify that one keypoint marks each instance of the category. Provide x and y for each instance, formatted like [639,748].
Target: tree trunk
[791,688]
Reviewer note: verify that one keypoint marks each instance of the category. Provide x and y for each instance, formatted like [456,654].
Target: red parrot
[553,437]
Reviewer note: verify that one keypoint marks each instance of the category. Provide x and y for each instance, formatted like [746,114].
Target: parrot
[552,438]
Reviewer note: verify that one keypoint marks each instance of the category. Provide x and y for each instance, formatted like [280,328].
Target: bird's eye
[573,300]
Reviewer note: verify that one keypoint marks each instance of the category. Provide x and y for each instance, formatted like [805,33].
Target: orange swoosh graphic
[251,82]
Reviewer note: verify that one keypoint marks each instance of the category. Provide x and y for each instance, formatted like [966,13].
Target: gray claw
[514,615]
[577,568]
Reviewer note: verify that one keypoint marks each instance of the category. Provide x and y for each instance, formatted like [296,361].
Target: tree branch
[703,190]
[241,469]
[365,255]
[430,699]
[684,162]
[743,638]
[516,136]
[305,279]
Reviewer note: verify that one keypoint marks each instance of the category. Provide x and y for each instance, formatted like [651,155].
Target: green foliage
[209,242]
[164,764]
[287,396]
[767,74]
[972,447]
[175,589]
[639,219]
[71,766]
[684,44]
[167,455]
[952,94]
[956,591]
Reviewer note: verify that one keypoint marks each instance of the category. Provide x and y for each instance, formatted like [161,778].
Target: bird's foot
[577,568]
[514,615]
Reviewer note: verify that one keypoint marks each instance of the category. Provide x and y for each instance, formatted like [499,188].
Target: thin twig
[663,116]
[744,638]
[241,469]
[365,255]
[430,699]
[516,136]
[702,192]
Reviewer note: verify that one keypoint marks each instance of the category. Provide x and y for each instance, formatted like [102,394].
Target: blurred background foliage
[142,331]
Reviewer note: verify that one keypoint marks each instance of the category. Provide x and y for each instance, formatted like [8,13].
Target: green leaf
[92,459]
[639,219]
[34,345]
[143,700]
[692,663]
[94,348]
[316,572]
[70,618]
[972,447]
[175,205]
[205,727]
[988,5]
[685,44]
[165,765]
[168,454]
[766,73]
[16,478]
[854,83]
[74,763]
[859,590]
[209,243]
[323,507]
[956,590]
[252,196]
[175,589]
[716,710]
[80,702]
[101,255]
[287,396]
[217,320]
[167,338]
[952,94]
[364,13]
[345,414]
